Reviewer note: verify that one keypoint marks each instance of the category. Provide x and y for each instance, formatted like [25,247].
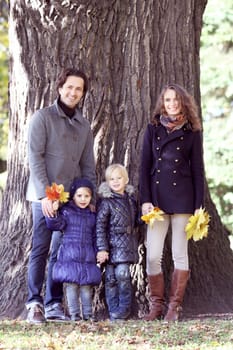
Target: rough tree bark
[129,49]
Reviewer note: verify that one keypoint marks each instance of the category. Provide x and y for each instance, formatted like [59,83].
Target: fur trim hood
[104,190]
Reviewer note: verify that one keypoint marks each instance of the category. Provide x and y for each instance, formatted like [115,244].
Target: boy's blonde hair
[111,168]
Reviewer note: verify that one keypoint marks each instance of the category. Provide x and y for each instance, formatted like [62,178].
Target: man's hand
[47,207]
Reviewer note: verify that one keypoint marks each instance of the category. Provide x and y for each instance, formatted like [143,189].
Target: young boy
[76,260]
[117,243]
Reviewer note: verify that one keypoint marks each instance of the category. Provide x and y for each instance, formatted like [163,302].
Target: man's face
[72,91]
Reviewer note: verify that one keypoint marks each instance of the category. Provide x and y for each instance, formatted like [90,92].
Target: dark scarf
[70,112]
[172,123]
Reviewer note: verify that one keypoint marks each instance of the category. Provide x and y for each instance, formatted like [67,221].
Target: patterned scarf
[172,123]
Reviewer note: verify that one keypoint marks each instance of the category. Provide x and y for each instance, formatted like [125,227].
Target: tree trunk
[129,49]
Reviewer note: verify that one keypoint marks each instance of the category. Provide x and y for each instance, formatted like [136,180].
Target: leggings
[155,243]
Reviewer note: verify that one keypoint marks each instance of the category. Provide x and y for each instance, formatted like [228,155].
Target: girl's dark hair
[75,72]
[188,106]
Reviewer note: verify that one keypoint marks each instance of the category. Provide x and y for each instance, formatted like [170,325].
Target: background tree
[3,86]
[129,49]
[217,97]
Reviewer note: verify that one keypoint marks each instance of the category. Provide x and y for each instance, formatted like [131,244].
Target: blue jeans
[118,288]
[42,239]
[73,292]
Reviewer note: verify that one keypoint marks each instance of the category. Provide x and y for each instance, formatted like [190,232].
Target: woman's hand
[146,208]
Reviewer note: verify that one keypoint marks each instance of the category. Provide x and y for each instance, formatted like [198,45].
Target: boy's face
[82,197]
[117,182]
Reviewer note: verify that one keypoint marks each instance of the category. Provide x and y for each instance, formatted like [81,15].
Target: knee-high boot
[156,287]
[178,286]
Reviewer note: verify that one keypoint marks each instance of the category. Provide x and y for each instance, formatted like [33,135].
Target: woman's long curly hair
[188,106]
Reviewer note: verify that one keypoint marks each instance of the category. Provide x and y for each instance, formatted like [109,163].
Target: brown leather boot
[156,286]
[178,286]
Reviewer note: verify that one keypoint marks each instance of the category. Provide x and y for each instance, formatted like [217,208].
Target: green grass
[207,334]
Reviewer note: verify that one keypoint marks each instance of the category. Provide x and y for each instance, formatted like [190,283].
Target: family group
[95,233]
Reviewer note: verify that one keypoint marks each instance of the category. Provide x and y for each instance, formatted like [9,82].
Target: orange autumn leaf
[56,192]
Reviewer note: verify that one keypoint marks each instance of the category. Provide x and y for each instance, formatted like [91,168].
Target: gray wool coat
[59,149]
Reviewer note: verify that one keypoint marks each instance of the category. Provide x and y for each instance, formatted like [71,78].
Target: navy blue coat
[172,170]
[115,226]
[76,260]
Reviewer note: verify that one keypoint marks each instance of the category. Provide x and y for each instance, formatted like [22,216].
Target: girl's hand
[55,205]
[146,208]
[102,256]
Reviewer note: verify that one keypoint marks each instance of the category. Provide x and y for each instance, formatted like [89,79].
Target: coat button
[181,138]
[159,159]
[158,138]
[176,160]
[158,170]
[174,183]
[157,148]
[157,182]
[178,148]
[174,171]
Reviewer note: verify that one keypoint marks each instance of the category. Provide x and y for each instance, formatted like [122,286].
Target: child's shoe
[75,317]
[121,314]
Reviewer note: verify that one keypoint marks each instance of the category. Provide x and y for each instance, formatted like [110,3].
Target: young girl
[76,260]
[117,242]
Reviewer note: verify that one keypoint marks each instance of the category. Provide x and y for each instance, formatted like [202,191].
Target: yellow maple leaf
[64,197]
[152,216]
[197,226]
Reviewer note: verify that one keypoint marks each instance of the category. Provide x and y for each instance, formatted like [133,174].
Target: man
[60,148]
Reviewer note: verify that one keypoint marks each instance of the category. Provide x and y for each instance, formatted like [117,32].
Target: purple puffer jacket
[76,260]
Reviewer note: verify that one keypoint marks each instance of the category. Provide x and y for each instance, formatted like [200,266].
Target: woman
[171,178]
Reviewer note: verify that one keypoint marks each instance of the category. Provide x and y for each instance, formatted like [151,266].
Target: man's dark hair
[75,72]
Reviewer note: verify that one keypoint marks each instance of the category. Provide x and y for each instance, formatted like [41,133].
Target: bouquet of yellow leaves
[57,193]
[197,226]
[155,214]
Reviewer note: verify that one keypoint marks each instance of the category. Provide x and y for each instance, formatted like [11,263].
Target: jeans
[73,292]
[118,288]
[42,238]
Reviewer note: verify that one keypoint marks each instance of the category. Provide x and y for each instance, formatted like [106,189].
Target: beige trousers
[155,238]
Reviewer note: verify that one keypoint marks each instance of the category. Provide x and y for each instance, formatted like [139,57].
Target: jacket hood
[105,191]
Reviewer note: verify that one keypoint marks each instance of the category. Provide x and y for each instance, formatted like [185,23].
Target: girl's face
[171,102]
[117,182]
[82,197]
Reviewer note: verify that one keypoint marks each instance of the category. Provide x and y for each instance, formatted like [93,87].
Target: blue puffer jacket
[76,260]
[115,226]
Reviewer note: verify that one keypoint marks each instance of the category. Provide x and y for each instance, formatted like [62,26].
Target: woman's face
[172,103]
